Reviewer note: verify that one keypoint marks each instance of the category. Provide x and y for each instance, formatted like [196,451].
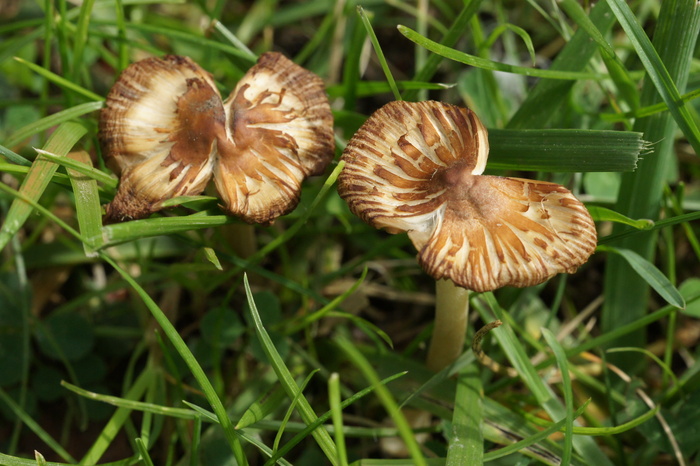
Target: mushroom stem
[242,239]
[451,315]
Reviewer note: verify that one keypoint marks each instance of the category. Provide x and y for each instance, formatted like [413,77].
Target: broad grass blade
[565,150]
[87,204]
[467,439]
[640,195]
[664,82]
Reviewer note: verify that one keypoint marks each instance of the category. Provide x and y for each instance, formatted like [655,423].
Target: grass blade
[87,204]
[604,431]
[351,68]
[128,231]
[659,224]
[467,440]
[143,452]
[266,404]
[253,440]
[34,426]
[201,412]
[196,441]
[234,40]
[81,37]
[82,168]
[324,417]
[60,81]
[532,440]
[601,214]
[122,43]
[563,364]
[368,88]
[378,51]
[485,64]
[308,319]
[38,178]
[132,404]
[40,460]
[52,120]
[650,274]
[117,420]
[13,157]
[290,410]
[649,110]
[657,71]
[189,359]
[387,399]
[617,70]
[547,95]
[285,377]
[522,33]
[664,367]
[337,415]
[449,40]
[562,150]
[640,193]
[516,353]
[543,394]
[187,37]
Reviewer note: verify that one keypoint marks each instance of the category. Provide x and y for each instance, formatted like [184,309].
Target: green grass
[189,338]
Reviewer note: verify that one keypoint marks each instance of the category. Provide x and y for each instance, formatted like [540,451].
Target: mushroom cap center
[466,195]
[456,175]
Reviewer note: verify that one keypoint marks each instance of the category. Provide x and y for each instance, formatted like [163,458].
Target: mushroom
[158,131]
[166,132]
[417,167]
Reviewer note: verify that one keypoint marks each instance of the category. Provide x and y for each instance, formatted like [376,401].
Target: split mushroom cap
[166,131]
[280,131]
[417,168]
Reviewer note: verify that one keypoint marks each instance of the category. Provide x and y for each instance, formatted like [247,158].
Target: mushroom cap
[158,131]
[279,131]
[416,168]
[165,129]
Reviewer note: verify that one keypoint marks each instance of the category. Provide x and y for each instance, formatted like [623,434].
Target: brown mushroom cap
[158,131]
[416,167]
[280,129]
[165,129]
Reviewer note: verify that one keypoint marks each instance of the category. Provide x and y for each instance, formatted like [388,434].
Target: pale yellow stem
[242,239]
[451,315]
